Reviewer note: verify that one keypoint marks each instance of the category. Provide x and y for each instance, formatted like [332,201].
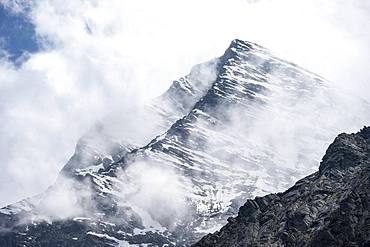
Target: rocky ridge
[328,208]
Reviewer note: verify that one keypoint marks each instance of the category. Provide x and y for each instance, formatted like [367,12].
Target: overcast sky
[97,55]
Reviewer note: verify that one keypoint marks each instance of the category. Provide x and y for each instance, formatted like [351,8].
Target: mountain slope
[109,140]
[328,208]
[245,124]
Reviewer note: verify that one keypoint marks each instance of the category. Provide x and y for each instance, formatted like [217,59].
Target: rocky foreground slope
[328,208]
[243,125]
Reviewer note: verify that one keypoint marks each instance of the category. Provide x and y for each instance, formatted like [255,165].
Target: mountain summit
[242,125]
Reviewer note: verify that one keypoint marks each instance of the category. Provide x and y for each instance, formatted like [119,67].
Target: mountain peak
[347,150]
[236,127]
[244,45]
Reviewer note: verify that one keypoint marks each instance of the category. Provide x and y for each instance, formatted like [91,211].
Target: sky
[17,35]
[66,64]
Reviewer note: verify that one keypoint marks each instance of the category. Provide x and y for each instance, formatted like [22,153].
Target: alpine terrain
[239,126]
[328,208]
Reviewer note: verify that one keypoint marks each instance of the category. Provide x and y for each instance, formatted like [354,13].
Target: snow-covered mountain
[242,125]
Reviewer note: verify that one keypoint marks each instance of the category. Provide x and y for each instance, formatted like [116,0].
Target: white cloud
[66,200]
[111,54]
[157,191]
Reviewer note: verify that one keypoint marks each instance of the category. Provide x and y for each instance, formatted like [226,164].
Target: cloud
[101,56]
[156,192]
[66,200]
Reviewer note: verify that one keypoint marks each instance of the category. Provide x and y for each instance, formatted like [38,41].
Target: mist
[156,192]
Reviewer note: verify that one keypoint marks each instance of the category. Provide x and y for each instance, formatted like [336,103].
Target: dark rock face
[328,208]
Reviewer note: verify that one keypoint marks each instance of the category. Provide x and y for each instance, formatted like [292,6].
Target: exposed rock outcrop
[328,208]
